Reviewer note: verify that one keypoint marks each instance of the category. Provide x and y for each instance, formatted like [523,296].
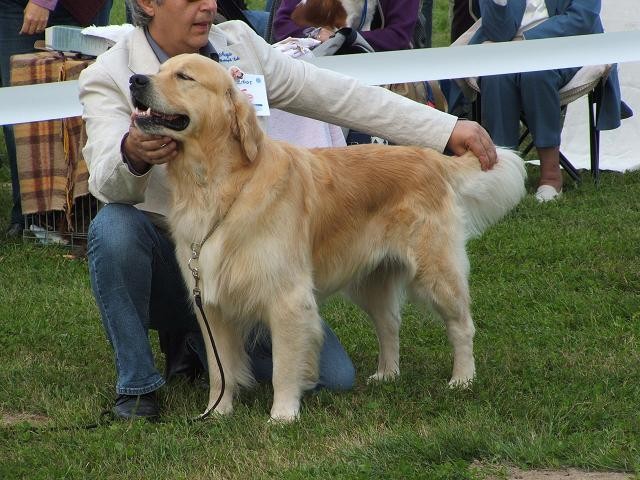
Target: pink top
[48,4]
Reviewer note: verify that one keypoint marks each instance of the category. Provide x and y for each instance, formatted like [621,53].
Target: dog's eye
[184,76]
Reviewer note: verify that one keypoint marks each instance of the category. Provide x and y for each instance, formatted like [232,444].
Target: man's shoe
[14,230]
[180,357]
[137,406]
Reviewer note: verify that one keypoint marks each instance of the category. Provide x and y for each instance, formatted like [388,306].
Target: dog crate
[62,228]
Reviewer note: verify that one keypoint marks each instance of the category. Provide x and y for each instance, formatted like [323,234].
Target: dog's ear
[320,13]
[245,126]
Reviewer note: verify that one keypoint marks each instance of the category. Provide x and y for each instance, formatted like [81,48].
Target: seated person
[398,17]
[535,94]
[391,29]
[238,10]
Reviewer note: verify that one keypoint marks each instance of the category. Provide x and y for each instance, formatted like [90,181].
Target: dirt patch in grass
[514,473]
[569,474]
[9,419]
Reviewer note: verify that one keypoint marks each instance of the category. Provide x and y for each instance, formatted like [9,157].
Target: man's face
[180,26]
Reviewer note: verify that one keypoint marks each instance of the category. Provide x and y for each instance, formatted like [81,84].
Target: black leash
[105,418]
[198,300]
[195,271]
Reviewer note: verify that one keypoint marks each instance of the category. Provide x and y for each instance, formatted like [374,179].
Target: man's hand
[35,19]
[144,150]
[469,135]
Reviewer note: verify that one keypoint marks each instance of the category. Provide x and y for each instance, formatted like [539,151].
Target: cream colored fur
[354,12]
[297,225]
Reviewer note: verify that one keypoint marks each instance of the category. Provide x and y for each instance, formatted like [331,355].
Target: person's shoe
[14,230]
[180,358]
[547,193]
[129,407]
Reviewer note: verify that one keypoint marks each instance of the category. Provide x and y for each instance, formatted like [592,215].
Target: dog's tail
[487,196]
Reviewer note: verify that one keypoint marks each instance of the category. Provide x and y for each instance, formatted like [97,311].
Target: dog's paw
[222,408]
[461,382]
[283,417]
[283,420]
[285,411]
[383,376]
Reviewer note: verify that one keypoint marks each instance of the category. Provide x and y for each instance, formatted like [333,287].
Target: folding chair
[589,80]
[272,15]
[230,10]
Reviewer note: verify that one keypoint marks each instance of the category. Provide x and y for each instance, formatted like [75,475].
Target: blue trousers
[535,94]
[137,285]
[12,43]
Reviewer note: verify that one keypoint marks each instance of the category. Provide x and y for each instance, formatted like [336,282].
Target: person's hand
[144,150]
[468,135]
[34,20]
[324,34]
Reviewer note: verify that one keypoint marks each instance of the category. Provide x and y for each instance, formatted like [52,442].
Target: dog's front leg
[231,351]
[296,336]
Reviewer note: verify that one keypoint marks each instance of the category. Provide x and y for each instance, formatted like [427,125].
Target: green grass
[556,292]
[556,302]
[117,16]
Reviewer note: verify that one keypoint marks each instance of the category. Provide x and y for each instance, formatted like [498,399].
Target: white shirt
[534,14]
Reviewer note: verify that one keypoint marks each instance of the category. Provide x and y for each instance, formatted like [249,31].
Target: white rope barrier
[486,59]
[49,101]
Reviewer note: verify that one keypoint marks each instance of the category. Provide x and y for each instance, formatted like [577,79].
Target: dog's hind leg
[441,281]
[296,336]
[381,295]
[230,346]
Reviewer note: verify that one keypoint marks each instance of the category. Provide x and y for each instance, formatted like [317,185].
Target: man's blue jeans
[137,285]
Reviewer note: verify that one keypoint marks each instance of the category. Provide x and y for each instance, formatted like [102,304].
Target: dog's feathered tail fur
[486,197]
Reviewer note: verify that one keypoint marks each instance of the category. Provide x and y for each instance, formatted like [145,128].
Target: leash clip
[193,261]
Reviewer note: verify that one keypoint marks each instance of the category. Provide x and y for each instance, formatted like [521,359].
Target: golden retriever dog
[279,228]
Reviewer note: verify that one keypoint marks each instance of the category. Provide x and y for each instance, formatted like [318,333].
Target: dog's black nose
[138,81]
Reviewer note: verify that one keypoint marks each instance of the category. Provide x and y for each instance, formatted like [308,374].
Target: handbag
[84,11]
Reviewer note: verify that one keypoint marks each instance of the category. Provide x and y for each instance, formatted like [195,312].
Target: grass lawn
[556,302]
[557,308]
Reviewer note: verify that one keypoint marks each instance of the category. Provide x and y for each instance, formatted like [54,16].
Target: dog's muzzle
[147,116]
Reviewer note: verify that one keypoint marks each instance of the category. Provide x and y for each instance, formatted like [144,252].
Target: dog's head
[193,98]
[330,14]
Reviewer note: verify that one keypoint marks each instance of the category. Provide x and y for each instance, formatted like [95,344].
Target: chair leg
[569,168]
[476,111]
[523,137]
[594,139]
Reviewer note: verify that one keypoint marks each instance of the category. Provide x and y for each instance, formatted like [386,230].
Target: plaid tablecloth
[49,154]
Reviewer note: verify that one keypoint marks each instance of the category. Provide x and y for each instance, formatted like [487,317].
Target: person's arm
[301,88]
[579,19]
[107,116]
[283,26]
[36,16]
[500,21]
[400,17]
